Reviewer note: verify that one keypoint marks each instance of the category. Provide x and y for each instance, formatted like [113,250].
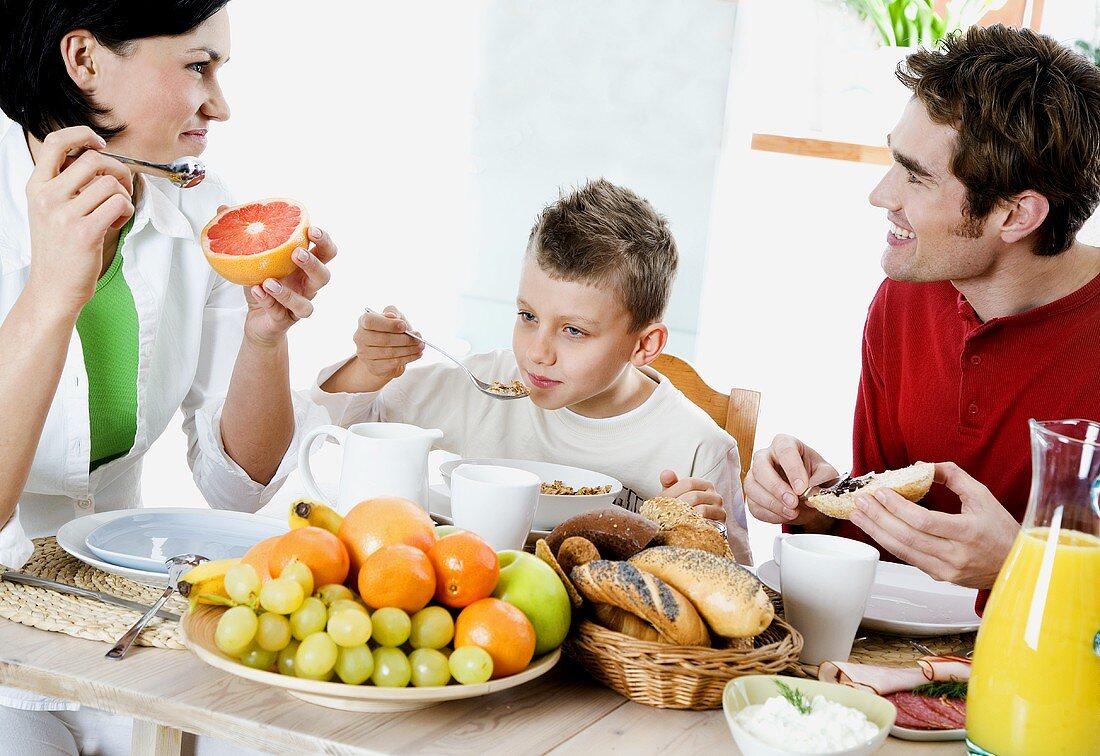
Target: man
[990,314]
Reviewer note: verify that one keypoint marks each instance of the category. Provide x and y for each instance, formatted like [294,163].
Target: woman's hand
[71,209]
[279,303]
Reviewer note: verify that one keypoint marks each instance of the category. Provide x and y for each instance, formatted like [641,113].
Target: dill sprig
[943,689]
[795,697]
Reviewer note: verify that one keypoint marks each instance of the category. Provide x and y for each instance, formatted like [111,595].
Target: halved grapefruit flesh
[248,244]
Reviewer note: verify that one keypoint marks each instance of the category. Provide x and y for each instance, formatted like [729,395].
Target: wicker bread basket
[678,677]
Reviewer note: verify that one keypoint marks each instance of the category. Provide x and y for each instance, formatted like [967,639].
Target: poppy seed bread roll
[623,585]
[729,597]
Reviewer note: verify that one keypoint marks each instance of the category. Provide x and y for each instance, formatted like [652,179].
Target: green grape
[471,665]
[308,619]
[316,656]
[349,628]
[432,627]
[354,665]
[325,677]
[242,584]
[343,604]
[273,632]
[281,595]
[429,668]
[334,592]
[391,626]
[391,668]
[299,572]
[259,658]
[286,658]
[235,631]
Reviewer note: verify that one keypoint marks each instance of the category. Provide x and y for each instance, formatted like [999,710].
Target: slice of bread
[911,482]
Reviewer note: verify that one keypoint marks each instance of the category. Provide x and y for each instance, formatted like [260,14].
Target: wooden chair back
[736,411]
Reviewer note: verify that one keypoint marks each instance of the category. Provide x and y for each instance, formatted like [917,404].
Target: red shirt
[938,385]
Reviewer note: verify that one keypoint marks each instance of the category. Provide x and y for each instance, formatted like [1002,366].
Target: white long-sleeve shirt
[190,324]
[667,431]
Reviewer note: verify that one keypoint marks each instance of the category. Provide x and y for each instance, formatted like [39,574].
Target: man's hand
[966,548]
[695,492]
[778,476]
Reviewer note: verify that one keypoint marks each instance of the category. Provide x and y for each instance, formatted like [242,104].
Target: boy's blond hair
[605,235]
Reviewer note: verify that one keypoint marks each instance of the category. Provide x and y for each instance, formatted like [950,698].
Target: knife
[53,585]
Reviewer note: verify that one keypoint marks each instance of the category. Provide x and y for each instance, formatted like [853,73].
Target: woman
[112,321]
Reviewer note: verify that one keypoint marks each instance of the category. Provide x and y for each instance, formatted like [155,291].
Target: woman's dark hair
[35,88]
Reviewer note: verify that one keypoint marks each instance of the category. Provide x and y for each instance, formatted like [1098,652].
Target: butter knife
[53,585]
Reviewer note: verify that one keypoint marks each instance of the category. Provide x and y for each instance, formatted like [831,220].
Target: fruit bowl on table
[553,509]
[198,632]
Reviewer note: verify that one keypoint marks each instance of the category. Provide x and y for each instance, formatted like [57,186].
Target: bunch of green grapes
[332,635]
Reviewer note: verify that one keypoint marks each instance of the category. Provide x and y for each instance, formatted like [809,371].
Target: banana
[306,512]
[209,569]
[209,591]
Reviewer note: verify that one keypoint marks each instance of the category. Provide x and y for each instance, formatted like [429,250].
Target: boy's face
[572,341]
[930,238]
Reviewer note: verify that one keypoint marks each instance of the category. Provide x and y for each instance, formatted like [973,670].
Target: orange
[397,575]
[317,548]
[375,523]
[502,630]
[259,555]
[248,244]
[466,569]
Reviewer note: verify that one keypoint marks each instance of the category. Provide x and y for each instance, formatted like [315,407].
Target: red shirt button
[972,409]
[975,360]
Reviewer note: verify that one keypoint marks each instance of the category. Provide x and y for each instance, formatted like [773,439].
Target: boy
[596,279]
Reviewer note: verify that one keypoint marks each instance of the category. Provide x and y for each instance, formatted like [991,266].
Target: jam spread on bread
[846,485]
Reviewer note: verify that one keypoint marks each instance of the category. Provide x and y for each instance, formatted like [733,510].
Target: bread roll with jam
[839,500]
[729,597]
[622,585]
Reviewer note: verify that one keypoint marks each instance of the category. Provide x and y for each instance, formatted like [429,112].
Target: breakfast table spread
[168,691]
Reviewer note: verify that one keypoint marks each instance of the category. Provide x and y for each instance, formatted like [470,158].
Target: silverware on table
[177,567]
[482,386]
[53,585]
[185,172]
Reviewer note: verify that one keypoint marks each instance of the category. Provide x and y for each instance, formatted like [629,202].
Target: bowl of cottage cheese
[769,715]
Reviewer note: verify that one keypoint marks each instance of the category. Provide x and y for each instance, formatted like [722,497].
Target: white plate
[553,509]
[72,534]
[145,538]
[906,733]
[906,601]
[439,498]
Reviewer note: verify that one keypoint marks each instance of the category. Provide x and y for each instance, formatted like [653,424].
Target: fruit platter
[379,610]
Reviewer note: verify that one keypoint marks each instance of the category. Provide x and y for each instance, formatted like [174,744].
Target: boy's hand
[695,492]
[382,350]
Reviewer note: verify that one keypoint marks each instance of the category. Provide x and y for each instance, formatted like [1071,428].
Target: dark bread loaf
[616,532]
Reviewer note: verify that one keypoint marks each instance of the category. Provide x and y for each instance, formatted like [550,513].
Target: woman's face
[165,91]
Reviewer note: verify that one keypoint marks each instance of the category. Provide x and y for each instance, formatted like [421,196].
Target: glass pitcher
[1035,683]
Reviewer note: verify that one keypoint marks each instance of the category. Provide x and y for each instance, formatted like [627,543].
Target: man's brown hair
[1027,112]
[605,235]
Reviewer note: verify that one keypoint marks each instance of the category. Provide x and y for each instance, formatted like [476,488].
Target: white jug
[380,459]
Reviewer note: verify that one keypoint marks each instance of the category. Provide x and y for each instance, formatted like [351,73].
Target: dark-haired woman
[111,319]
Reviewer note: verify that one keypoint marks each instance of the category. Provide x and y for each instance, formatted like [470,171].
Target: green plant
[906,23]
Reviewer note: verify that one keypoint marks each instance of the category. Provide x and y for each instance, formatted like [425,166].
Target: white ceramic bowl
[742,692]
[553,509]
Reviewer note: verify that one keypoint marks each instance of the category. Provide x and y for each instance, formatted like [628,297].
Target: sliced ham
[886,680]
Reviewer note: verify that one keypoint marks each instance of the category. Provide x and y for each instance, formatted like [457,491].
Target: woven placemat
[84,617]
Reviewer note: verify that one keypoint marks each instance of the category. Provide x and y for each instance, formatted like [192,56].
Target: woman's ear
[1026,212]
[79,49]
[651,342]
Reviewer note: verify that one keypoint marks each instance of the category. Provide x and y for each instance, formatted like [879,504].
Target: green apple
[531,585]
[446,530]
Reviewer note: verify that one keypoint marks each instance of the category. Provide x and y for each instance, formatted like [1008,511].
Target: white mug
[380,459]
[496,503]
[825,581]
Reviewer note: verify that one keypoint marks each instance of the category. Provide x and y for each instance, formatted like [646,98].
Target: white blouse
[190,324]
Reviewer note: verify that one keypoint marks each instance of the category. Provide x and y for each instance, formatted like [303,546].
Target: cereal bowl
[750,690]
[553,509]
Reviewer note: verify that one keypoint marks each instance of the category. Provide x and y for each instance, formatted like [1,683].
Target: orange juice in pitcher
[1035,683]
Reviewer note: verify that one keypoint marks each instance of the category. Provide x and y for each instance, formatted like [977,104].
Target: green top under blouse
[108,328]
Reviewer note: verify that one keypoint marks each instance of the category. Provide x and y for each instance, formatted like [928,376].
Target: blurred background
[425,136]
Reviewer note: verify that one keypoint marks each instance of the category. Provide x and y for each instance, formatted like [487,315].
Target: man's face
[930,237]
[572,340]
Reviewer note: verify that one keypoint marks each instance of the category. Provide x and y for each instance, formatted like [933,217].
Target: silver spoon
[177,566]
[482,386]
[185,172]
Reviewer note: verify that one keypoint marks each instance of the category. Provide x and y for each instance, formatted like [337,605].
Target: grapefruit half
[248,244]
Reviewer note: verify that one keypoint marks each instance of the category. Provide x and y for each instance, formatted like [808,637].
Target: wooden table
[169,691]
